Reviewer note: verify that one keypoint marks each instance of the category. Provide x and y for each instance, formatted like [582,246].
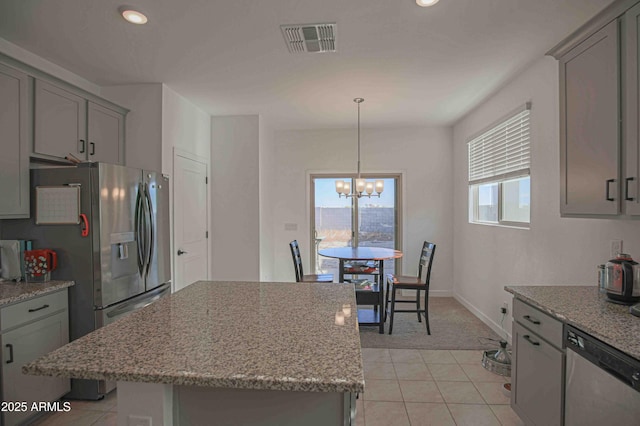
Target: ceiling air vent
[312,38]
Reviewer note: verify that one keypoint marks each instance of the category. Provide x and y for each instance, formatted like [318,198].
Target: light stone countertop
[11,292]
[242,335]
[587,309]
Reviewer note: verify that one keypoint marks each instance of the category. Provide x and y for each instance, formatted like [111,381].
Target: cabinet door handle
[626,189]
[532,320]
[609,182]
[82,146]
[39,309]
[10,346]
[528,339]
[93,148]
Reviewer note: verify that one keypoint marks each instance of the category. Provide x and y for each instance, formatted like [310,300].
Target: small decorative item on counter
[346,310]
[38,264]
[601,278]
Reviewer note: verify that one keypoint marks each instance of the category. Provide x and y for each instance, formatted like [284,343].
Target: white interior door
[190,207]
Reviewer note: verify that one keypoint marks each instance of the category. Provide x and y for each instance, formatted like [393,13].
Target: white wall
[554,251]
[423,155]
[143,128]
[235,198]
[42,64]
[268,170]
[184,126]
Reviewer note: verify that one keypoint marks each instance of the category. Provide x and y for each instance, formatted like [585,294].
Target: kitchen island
[227,353]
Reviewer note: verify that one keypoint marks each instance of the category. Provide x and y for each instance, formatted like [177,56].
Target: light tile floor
[402,387]
[431,387]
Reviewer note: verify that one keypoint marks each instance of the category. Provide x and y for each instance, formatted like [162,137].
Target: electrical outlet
[505,308]
[616,247]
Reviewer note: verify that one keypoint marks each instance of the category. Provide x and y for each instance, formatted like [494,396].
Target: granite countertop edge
[609,334]
[11,292]
[254,383]
[513,290]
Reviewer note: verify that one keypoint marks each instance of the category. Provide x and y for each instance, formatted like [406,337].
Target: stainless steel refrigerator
[122,263]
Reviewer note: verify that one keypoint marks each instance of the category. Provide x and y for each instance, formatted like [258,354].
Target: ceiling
[414,66]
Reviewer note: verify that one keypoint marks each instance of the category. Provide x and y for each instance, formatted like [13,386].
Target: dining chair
[419,283]
[297,266]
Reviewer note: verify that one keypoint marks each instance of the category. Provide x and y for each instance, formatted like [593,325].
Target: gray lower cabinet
[538,366]
[29,330]
[14,143]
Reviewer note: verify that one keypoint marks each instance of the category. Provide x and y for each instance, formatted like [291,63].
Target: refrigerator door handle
[150,228]
[139,231]
[135,305]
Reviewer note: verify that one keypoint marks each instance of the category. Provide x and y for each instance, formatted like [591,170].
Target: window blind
[502,151]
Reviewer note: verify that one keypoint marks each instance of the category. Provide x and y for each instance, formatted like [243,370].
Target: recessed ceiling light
[426,3]
[132,15]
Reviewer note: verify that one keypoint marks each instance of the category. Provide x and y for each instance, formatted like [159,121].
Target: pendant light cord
[358,101]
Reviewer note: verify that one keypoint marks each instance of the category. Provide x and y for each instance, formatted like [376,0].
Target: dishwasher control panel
[616,363]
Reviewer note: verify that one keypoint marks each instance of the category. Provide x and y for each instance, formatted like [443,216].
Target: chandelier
[363,187]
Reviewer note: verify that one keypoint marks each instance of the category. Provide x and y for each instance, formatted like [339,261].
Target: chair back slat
[297,260]
[426,260]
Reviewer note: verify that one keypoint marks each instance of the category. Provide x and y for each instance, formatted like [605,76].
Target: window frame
[499,178]
[475,207]
[355,207]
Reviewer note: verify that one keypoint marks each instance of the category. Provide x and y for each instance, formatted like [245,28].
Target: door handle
[39,309]
[82,146]
[533,320]
[181,252]
[528,339]
[150,226]
[139,232]
[93,148]
[626,189]
[609,182]
[10,346]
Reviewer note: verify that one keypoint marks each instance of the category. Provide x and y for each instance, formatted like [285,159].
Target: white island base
[152,404]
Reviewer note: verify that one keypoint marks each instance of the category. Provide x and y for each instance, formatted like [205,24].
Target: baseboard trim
[482,317]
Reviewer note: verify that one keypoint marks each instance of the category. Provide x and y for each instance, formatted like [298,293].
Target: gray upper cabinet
[599,114]
[631,97]
[60,122]
[106,134]
[14,143]
[68,123]
[589,116]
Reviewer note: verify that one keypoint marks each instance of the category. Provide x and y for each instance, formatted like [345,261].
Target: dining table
[374,295]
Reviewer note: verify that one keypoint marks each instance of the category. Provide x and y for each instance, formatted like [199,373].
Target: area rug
[452,327]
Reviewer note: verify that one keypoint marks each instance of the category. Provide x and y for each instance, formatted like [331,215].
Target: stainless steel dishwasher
[602,383]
